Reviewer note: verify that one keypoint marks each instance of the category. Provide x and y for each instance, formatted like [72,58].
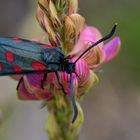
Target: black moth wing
[20,56]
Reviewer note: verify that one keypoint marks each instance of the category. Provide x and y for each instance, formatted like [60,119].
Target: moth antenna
[99,41]
[73,100]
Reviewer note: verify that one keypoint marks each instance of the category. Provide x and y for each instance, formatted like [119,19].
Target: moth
[21,56]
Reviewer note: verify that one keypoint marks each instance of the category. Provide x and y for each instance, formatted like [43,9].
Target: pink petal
[79,79]
[50,77]
[92,57]
[83,72]
[65,81]
[102,54]
[111,49]
[31,90]
[23,94]
[88,35]
[35,80]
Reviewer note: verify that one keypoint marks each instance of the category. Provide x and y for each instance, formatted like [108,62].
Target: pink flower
[30,86]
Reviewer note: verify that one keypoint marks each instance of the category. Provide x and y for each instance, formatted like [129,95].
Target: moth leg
[21,79]
[43,80]
[58,79]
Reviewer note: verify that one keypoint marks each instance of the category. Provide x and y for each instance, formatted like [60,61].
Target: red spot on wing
[1,67]
[17,69]
[9,56]
[47,46]
[38,65]
[17,40]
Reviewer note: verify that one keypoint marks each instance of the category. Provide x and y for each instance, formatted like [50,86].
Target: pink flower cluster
[30,87]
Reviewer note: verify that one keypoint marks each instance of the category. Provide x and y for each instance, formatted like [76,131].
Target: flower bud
[93,57]
[69,29]
[51,33]
[44,2]
[78,21]
[40,17]
[54,16]
[72,6]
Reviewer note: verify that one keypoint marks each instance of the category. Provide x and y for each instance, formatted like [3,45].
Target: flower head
[79,76]
[30,87]
[82,45]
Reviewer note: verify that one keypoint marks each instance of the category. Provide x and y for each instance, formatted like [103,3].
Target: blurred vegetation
[102,14]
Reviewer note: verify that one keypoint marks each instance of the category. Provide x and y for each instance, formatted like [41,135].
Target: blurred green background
[112,108]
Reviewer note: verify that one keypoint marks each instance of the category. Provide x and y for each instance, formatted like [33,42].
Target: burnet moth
[21,56]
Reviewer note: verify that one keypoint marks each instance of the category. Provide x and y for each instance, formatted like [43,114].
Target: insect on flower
[20,56]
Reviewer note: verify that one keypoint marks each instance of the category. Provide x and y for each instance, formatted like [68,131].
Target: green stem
[59,122]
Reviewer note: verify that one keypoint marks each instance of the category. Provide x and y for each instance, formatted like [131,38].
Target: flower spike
[99,41]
